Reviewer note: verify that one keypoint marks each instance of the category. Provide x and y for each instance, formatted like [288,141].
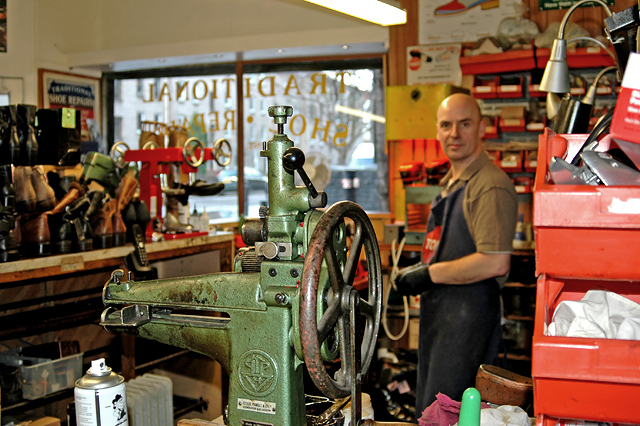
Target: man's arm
[470,269]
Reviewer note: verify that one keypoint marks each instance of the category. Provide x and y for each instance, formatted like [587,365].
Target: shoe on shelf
[173,226]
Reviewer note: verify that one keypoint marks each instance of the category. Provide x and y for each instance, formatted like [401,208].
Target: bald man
[465,259]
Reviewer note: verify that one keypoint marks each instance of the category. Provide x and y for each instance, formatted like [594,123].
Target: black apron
[459,324]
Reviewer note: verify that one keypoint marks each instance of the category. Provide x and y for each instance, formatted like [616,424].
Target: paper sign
[435,64]
[457,21]
[68,118]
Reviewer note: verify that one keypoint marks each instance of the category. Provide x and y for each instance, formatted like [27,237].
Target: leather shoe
[45,195]
[25,192]
[102,224]
[173,226]
[35,235]
[127,189]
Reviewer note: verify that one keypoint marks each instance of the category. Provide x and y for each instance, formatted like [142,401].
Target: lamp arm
[595,40]
[565,19]
[590,96]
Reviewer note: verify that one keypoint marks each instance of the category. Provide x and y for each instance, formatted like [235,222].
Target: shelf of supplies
[183,405]
[519,317]
[516,357]
[26,404]
[519,285]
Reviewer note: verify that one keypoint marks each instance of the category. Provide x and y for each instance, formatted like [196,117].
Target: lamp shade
[556,74]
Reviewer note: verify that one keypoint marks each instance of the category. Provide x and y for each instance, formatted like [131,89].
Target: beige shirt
[490,204]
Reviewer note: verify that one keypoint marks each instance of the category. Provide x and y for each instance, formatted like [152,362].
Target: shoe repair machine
[290,301]
[157,165]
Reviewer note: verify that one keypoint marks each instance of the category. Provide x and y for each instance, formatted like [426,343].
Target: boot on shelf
[127,189]
[25,193]
[136,212]
[26,119]
[102,221]
[9,142]
[45,195]
[36,238]
[64,233]
[8,247]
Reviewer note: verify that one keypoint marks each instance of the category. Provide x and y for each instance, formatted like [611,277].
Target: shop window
[323,125]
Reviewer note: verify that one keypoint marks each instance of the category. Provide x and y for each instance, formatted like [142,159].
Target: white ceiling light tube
[361,114]
[381,12]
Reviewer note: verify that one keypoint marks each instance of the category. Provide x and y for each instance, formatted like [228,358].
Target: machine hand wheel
[192,147]
[117,154]
[151,145]
[222,152]
[326,313]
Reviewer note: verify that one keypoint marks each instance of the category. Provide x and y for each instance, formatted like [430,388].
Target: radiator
[150,400]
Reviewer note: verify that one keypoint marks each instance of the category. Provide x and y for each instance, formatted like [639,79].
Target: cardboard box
[625,127]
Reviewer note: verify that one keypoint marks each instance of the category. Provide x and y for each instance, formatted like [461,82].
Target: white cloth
[600,314]
[504,415]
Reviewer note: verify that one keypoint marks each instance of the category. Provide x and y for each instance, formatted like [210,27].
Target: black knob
[293,160]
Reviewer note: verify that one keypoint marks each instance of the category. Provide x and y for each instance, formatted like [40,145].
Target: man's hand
[412,280]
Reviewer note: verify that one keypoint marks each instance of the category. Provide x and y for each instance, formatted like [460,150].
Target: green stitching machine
[290,300]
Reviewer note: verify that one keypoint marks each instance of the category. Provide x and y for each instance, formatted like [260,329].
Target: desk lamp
[556,73]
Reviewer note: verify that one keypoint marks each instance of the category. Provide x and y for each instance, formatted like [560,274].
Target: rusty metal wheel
[328,296]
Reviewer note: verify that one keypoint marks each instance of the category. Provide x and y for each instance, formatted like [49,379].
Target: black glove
[413,280]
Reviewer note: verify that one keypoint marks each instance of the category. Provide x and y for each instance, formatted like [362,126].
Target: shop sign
[566,4]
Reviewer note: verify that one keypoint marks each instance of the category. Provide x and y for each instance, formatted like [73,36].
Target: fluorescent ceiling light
[360,114]
[382,12]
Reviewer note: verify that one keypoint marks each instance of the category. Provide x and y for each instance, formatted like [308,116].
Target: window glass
[204,106]
[337,121]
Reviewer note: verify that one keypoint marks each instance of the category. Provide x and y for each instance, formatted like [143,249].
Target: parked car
[254,180]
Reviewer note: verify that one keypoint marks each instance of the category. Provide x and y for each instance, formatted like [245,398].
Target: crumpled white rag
[600,314]
[504,415]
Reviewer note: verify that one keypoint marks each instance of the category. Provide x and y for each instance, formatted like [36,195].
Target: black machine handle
[293,160]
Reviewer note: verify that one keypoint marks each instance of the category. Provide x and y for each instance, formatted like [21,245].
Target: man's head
[460,129]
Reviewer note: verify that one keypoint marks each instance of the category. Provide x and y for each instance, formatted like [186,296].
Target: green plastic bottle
[470,408]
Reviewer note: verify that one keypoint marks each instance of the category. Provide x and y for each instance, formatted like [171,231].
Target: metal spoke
[329,319]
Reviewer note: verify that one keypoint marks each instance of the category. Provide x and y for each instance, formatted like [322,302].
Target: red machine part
[155,162]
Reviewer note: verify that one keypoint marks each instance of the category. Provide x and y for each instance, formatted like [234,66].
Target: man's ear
[482,128]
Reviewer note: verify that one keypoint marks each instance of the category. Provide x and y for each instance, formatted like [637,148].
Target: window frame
[239,68]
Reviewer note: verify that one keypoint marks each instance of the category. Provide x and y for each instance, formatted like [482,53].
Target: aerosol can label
[102,407]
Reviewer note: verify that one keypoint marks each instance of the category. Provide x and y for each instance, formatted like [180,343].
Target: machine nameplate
[244,422]
[256,406]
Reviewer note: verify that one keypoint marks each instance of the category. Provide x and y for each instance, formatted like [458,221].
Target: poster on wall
[457,21]
[78,92]
[434,64]
[3,26]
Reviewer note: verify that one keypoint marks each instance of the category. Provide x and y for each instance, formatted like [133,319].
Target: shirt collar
[468,173]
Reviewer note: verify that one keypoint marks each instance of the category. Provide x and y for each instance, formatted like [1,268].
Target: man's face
[460,128]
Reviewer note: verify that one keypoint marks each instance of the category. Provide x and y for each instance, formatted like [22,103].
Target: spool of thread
[470,408]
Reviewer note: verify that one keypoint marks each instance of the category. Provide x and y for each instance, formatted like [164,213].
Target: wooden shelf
[519,317]
[57,265]
[516,357]
[519,285]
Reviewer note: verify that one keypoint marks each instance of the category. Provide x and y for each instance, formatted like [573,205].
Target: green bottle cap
[470,408]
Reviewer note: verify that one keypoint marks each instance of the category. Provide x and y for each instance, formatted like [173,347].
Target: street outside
[225,205]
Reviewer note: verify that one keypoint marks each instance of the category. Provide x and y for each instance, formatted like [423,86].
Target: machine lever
[293,160]
[129,316]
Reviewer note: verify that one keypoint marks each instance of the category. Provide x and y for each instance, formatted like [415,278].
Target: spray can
[100,397]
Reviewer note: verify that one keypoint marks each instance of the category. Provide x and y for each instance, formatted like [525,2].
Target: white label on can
[109,405]
[256,406]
